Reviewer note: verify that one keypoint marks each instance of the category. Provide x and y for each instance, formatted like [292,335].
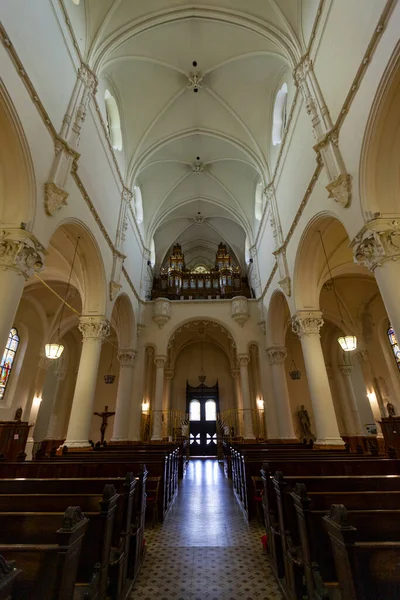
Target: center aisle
[205,550]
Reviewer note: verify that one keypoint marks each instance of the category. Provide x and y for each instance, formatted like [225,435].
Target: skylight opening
[113,121]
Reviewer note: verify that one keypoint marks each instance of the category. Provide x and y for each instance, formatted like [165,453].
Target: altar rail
[175,425]
[232,422]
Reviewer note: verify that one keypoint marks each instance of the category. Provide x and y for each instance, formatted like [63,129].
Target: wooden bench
[49,559]
[123,526]
[366,551]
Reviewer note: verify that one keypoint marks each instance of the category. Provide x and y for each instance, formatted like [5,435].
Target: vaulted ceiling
[195,84]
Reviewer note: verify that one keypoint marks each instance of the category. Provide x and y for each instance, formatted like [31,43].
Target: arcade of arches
[197,201]
[259,139]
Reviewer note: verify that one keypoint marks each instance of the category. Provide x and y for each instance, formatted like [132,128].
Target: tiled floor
[205,550]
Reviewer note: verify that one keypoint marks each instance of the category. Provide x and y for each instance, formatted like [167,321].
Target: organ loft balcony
[223,280]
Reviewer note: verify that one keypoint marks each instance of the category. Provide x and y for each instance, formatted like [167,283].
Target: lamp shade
[348,342]
[53,351]
[295,374]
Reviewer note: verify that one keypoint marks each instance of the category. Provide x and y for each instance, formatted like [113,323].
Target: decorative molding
[169,374]
[377,243]
[195,81]
[340,189]
[198,168]
[47,121]
[327,136]
[160,361]
[127,358]
[72,517]
[243,360]
[114,288]
[240,310]
[139,328]
[55,198]
[346,370]
[235,373]
[277,354]
[20,251]
[263,326]
[307,324]
[286,285]
[161,311]
[94,327]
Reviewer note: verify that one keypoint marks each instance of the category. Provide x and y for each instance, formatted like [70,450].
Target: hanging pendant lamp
[348,343]
[53,350]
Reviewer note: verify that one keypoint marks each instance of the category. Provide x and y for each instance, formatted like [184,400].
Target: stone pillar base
[77,444]
[283,441]
[329,444]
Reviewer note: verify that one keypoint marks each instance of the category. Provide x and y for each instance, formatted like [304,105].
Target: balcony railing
[231,423]
[175,425]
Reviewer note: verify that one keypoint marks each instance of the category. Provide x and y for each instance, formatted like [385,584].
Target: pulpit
[13,437]
[391,432]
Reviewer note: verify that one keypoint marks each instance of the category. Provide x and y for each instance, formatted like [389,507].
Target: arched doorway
[202,404]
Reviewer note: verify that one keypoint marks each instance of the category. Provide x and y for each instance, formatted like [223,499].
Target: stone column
[94,330]
[20,256]
[169,375]
[158,399]
[57,405]
[239,400]
[124,395]
[354,426]
[248,432]
[277,356]
[307,325]
[377,246]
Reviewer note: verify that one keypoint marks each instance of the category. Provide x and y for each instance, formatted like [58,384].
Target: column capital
[94,327]
[160,361]
[306,324]
[277,354]
[377,242]
[346,370]
[169,374]
[127,357]
[20,251]
[243,360]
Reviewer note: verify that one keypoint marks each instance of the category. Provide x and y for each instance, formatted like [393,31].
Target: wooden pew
[126,544]
[304,543]
[8,576]
[367,563]
[48,560]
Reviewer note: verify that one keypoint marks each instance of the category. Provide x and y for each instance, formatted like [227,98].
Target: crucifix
[104,415]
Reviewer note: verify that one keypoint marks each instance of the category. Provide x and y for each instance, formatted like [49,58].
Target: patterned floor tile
[205,550]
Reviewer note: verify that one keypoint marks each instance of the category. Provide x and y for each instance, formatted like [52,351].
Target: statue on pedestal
[390,409]
[305,424]
[18,414]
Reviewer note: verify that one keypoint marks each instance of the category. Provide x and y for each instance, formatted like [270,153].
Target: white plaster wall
[216,367]
[37,38]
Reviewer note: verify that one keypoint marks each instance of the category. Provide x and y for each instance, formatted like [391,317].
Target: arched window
[113,121]
[194,409]
[138,203]
[211,410]
[76,2]
[279,117]
[258,207]
[152,253]
[395,345]
[8,360]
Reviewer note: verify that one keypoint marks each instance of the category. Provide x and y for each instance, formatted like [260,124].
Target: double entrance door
[202,408]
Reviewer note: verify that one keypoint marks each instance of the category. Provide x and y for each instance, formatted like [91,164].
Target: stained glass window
[8,360]
[395,345]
